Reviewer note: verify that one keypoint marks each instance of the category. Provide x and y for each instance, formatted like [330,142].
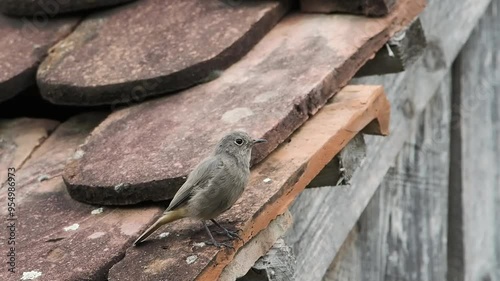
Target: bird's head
[238,144]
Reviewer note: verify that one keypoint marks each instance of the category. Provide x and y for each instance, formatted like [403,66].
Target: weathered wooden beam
[278,264]
[357,7]
[274,184]
[339,171]
[402,50]
[258,246]
[474,238]
[447,24]
[402,233]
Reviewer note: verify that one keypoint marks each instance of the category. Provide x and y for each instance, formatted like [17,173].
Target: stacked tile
[153,47]
[143,152]
[376,8]
[51,8]
[23,44]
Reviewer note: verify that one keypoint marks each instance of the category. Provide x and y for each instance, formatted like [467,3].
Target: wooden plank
[277,265]
[18,139]
[339,171]
[399,53]
[402,233]
[250,253]
[447,25]
[176,45]
[23,43]
[269,93]
[374,8]
[474,239]
[274,184]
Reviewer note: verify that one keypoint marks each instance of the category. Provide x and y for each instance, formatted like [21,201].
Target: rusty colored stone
[52,8]
[274,185]
[375,8]
[23,44]
[18,139]
[55,236]
[142,153]
[153,47]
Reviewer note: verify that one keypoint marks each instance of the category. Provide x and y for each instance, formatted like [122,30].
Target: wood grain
[474,240]
[447,24]
[402,233]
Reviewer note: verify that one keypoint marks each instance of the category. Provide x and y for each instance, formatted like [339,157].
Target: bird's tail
[167,217]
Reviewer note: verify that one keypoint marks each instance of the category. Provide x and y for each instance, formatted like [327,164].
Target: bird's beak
[259,141]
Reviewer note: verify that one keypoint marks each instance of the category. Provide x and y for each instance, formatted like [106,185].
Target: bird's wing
[199,177]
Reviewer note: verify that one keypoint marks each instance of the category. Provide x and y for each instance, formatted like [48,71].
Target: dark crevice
[31,104]
[455,249]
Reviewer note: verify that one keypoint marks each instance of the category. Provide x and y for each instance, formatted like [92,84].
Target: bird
[213,186]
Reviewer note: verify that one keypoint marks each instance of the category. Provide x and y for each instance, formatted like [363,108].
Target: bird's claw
[231,234]
[219,244]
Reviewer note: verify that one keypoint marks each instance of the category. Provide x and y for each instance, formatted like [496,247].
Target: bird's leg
[213,241]
[229,233]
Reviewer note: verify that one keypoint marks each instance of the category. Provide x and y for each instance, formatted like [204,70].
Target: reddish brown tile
[153,47]
[142,153]
[18,139]
[52,8]
[23,44]
[288,169]
[55,236]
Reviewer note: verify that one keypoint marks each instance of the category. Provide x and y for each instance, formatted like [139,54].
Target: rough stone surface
[153,47]
[290,167]
[143,152]
[57,237]
[18,139]
[374,8]
[23,44]
[52,8]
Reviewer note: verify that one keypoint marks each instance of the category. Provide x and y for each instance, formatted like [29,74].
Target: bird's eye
[238,141]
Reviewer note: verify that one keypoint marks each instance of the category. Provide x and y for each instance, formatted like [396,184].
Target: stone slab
[18,139]
[52,8]
[56,237]
[273,186]
[23,44]
[375,8]
[153,47]
[143,152]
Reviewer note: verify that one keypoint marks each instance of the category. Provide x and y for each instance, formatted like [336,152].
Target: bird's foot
[218,244]
[231,234]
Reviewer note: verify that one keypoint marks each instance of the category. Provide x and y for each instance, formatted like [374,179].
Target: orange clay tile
[274,184]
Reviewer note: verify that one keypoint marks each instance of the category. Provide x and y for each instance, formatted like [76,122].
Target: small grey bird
[213,186]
